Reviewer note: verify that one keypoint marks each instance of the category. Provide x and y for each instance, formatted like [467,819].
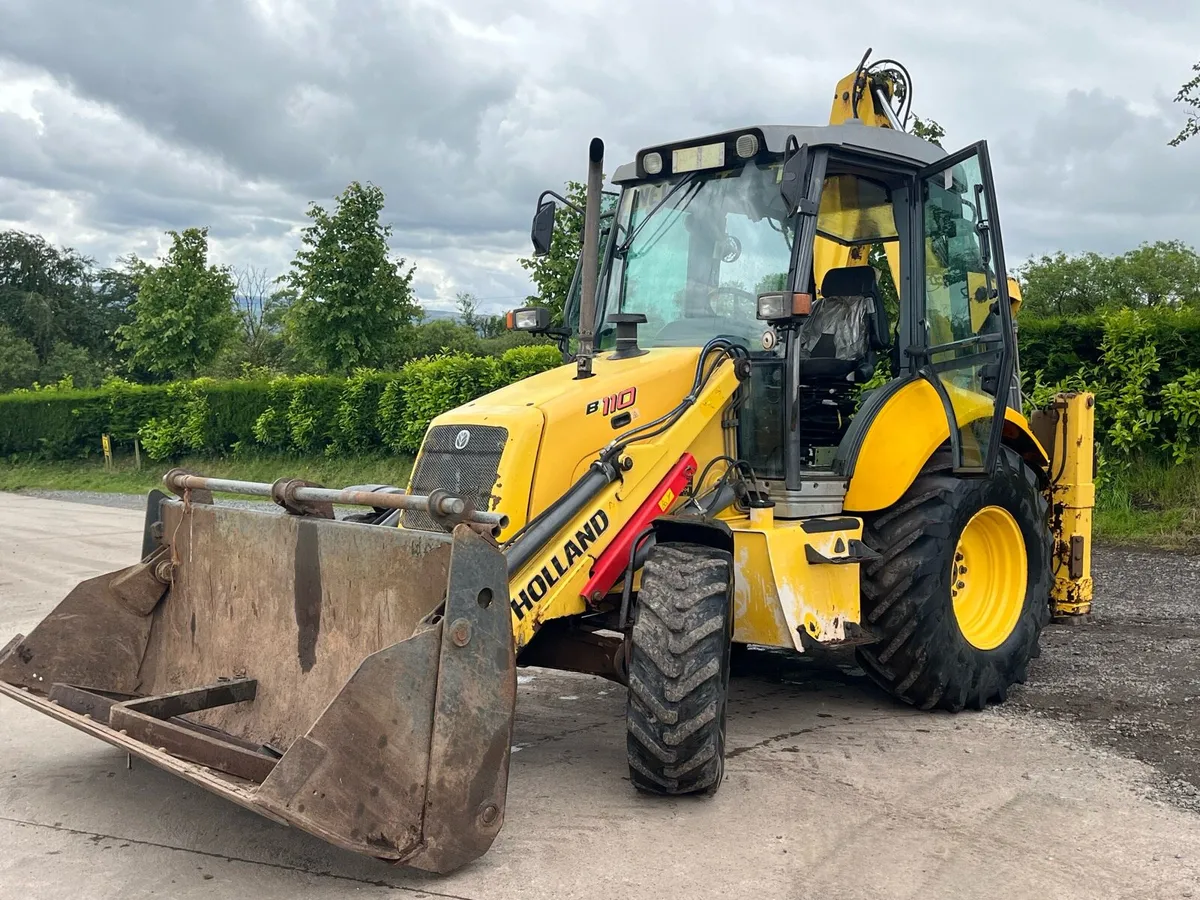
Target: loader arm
[547,581]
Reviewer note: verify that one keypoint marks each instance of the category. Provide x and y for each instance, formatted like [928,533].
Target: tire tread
[679,670]
[921,657]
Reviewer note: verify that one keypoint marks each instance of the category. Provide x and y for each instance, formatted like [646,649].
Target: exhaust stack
[591,259]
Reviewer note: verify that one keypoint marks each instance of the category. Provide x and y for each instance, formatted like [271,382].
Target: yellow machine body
[780,599]
[557,425]
[777,592]
[554,433]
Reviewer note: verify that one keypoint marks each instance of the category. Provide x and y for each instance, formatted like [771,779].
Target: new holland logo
[462,439]
[559,564]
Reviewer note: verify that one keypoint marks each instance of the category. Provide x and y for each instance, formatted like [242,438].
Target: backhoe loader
[746,445]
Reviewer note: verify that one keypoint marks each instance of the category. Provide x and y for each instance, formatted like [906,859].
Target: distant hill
[243,303]
[432,314]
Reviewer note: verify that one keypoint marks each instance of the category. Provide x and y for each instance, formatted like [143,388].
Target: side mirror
[542,232]
[793,184]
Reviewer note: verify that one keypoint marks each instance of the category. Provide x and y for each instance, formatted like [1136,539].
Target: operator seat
[847,327]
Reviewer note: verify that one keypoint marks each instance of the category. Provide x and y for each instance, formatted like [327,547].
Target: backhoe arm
[857,97]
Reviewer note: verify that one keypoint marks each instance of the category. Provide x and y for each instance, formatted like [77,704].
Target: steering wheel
[740,296]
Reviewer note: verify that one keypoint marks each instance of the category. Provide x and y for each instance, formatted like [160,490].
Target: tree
[927,129]
[481,323]
[69,361]
[1165,273]
[257,346]
[1189,95]
[115,290]
[18,360]
[552,273]
[467,309]
[53,297]
[492,326]
[183,314]
[350,301]
[438,336]
[261,310]
[1061,285]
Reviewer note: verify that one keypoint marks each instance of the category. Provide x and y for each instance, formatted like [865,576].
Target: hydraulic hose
[529,541]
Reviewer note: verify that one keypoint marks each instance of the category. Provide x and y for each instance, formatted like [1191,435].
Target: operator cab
[800,244]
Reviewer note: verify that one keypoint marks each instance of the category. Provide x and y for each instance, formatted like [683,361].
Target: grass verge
[125,478]
[1151,502]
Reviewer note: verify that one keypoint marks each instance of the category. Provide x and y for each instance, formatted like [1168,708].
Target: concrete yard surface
[832,790]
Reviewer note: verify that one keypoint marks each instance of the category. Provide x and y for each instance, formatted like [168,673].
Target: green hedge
[1142,365]
[1061,347]
[33,423]
[303,414]
[63,424]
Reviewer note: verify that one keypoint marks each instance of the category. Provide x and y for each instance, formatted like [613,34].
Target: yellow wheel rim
[988,578]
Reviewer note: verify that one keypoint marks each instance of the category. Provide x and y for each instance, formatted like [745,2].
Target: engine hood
[556,423]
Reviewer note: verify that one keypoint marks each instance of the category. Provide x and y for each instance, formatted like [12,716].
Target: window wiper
[623,247]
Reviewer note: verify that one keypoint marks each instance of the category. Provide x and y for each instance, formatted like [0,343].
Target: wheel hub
[988,577]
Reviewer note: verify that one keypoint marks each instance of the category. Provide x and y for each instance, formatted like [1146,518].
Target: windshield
[693,254]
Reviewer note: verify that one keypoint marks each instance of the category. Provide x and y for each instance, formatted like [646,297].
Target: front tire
[953,635]
[679,670]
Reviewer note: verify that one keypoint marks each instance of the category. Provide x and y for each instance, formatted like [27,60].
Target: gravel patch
[124,501]
[92,498]
[1130,680]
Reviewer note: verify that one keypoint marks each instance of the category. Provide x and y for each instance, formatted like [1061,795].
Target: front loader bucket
[355,681]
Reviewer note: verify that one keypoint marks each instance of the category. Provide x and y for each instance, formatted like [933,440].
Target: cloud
[120,120]
[1096,174]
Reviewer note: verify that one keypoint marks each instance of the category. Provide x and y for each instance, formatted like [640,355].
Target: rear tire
[923,656]
[679,670]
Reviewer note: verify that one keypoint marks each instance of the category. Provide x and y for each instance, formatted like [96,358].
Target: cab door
[963,342]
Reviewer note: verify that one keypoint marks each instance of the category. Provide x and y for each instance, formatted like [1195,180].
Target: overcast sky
[122,118]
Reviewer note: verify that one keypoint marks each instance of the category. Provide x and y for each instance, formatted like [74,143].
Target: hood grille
[459,459]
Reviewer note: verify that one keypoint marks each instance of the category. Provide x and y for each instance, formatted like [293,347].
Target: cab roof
[897,145]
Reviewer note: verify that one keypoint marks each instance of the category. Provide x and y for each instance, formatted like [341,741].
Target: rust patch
[308,592]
